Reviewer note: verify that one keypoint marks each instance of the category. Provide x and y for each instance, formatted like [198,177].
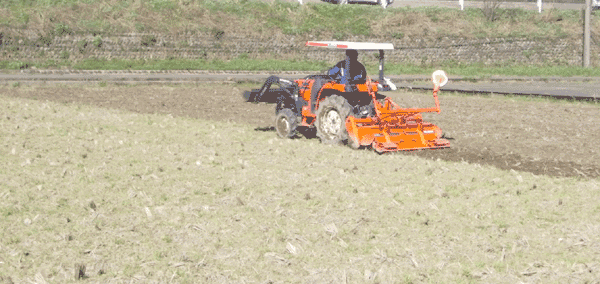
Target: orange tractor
[354,114]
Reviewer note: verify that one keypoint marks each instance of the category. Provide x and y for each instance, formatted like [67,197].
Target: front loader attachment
[266,94]
[398,129]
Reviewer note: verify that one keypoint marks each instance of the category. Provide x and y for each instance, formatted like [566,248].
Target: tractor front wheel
[331,120]
[286,123]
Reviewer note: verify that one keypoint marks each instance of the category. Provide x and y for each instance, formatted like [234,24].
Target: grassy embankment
[106,17]
[113,196]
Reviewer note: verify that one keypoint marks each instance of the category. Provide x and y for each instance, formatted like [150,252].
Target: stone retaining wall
[220,46]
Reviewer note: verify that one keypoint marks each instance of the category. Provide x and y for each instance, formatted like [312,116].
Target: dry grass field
[188,185]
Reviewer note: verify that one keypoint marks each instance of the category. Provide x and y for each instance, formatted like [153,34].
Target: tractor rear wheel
[286,123]
[331,120]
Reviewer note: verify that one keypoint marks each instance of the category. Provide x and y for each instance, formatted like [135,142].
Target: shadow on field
[265,129]
[308,133]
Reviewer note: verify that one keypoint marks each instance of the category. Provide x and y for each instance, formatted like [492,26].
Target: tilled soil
[543,137]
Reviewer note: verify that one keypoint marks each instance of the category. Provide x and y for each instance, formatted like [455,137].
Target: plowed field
[189,184]
[546,137]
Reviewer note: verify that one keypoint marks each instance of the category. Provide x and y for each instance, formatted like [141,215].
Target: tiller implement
[351,112]
[393,128]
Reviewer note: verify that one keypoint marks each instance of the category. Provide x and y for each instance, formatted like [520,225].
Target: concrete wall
[222,46]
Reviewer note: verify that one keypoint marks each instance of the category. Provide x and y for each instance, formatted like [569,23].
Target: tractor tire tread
[344,109]
[292,119]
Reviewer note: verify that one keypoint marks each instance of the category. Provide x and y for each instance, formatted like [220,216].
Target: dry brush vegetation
[112,196]
[247,18]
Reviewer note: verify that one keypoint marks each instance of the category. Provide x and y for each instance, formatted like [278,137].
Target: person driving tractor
[349,71]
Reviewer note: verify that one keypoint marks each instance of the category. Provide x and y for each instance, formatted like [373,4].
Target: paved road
[559,90]
[474,4]
[581,88]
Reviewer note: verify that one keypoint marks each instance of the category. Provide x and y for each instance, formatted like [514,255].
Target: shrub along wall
[540,51]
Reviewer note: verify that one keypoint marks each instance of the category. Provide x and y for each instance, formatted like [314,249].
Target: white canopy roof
[351,45]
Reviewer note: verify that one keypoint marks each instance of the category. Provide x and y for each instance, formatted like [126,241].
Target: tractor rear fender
[324,93]
[361,102]
[356,94]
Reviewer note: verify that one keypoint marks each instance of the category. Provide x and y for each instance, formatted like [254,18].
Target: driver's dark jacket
[358,73]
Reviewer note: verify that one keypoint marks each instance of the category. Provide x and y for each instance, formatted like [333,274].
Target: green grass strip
[238,64]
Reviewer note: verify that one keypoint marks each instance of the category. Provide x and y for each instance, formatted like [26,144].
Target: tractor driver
[349,71]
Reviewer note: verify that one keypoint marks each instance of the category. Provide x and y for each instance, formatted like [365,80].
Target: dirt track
[538,136]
